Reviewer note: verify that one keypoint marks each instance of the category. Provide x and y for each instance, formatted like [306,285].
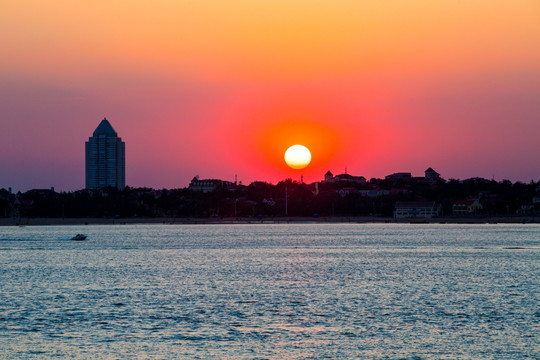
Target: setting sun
[297,156]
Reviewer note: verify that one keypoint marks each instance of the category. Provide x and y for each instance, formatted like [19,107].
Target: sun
[297,156]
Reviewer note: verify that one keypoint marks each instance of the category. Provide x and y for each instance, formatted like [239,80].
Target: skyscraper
[105,158]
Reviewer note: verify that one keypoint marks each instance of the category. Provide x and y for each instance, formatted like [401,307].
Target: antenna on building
[345,169]
[301,179]
[235,179]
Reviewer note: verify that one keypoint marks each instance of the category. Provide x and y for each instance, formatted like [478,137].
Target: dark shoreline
[268,220]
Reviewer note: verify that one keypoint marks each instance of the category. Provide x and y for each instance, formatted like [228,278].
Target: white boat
[79,237]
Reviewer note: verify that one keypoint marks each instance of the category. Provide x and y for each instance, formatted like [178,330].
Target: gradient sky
[219,88]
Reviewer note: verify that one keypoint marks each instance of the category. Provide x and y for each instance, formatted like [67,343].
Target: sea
[270,291]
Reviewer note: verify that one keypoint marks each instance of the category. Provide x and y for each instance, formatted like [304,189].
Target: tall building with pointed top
[105,158]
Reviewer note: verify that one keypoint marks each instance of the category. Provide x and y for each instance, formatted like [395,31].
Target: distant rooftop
[105,128]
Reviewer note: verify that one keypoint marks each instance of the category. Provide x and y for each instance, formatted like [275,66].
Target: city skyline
[376,88]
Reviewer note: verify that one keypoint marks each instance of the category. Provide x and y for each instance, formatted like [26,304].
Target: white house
[466,207]
[417,209]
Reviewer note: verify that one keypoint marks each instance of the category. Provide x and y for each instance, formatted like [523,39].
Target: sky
[222,88]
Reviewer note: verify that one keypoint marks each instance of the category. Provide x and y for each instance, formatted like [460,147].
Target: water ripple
[271,292]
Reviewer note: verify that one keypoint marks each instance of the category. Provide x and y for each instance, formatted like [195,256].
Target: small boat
[79,237]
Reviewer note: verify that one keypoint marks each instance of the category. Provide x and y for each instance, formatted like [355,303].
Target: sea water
[270,291]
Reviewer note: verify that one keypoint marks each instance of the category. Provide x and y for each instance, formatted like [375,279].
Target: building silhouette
[105,158]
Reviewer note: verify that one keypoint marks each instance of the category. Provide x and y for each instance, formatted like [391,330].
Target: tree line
[260,199]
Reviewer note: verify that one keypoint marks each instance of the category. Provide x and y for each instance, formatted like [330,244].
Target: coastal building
[330,178]
[466,207]
[417,209]
[105,158]
[536,203]
[432,175]
[209,185]
[376,192]
[400,176]
[41,193]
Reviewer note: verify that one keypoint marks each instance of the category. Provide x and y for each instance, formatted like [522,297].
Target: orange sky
[224,87]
